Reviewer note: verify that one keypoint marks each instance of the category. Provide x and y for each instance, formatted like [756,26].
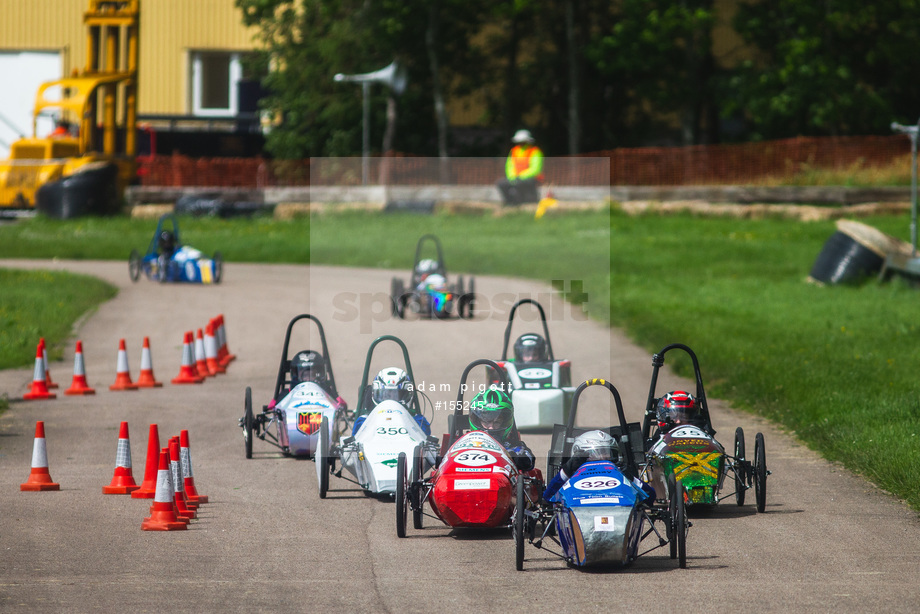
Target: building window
[215,76]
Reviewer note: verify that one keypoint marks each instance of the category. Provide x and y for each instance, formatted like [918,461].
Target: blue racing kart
[167,259]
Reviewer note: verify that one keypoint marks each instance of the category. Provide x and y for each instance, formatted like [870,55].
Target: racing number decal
[474,459]
[309,422]
[392,430]
[602,483]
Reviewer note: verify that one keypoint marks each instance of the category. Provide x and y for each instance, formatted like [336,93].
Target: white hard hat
[522,136]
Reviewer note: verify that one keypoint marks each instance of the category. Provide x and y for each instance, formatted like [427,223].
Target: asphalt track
[828,542]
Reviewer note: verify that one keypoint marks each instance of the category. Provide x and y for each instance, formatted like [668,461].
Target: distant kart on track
[167,259]
[428,293]
[690,452]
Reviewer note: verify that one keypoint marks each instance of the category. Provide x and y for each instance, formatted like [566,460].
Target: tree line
[582,75]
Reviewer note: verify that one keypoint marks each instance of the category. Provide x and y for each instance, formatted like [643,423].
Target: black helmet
[308,366]
[530,348]
[491,411]
[167,242]
[678,407]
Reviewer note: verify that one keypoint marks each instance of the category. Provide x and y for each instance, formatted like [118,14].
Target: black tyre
[470,299]
[519,524]
[218,260]
[760,473]
[418,469]
[248,420]
[402,500]
[459,289]
[396,292]
[321,458]
[740,481]
[162,265]
[672,515]
[134,265]
[680,527]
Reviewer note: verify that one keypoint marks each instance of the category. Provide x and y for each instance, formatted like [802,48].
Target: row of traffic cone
[168,477]
[205,357]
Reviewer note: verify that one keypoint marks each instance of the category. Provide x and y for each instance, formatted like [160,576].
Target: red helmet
[678,407]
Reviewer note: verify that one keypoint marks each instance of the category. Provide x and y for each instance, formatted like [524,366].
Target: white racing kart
[371,454]
[540,391]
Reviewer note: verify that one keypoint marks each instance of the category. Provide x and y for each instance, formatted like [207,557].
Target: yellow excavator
[83,167]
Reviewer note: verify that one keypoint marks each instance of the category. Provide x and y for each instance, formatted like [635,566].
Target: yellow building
[190,54]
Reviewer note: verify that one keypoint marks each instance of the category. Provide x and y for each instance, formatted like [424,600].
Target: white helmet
[522,136]
[426,266]
[392,384]
[596,444]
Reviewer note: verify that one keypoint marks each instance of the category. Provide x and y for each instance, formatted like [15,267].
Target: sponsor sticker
[309,422]
[603,523]
[535,373]
[595,500]
[471,469]
[598,483]
[471,484]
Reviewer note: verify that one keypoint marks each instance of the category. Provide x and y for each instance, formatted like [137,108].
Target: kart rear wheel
[248,421]
[418,468]
[134,265]
[396,292]
[218,261]
[760,473]
[680,527]
[468,301]
[740,481]
[402,501]
[321,458]
[519,524]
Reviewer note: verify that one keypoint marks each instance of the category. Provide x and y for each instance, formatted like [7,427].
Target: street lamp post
[394,77]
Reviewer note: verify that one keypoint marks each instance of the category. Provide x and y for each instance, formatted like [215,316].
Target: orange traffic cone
[201,364]
[188,374]
[48,382]
[223,352]
[148,489]
[182,503]
[39,477]
[122,372]
[79,384]
[163,511]
[39,386]
[145,378]
[210,351]
[123,481]
[185,461]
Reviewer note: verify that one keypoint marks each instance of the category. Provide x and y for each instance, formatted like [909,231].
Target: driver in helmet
[594,446]
[530,347]
[166,243]
[393,384]
[491,412]
[309,366]
[678,408]
[428,276]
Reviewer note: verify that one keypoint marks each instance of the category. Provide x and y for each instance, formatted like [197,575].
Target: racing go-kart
[475,484]
[601,515]
[389,430]
[691,453]
[541,391]
[292,421]
[428,293]
[167,259]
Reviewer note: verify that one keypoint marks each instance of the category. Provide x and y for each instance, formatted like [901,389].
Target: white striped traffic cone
[223,352]
[39,386]
[39,477]
[122,372]
[123,480]
[182,503]
[188,374]
[210,351]
[79,384]
[185,459]
[201,364]
[48,381]
[163,511]
[145,378]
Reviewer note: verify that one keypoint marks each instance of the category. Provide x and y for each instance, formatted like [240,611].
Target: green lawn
[835,365]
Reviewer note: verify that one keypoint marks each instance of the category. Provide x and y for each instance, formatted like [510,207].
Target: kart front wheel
[519,524]
[680,527]
[760,473]
[134,265]
[402,501]
[672,515]
[321,458]
[248,421]
[159,273]
[396,292]
[418,468]
[740,481]
[218,263]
